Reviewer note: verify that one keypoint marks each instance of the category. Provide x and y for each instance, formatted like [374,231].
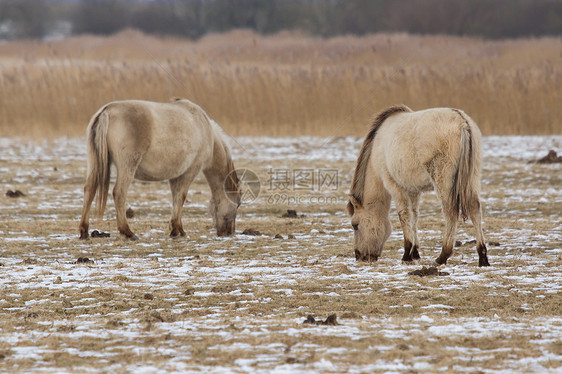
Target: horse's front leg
[405,214]
[415,202]
[176,227]
[179,187]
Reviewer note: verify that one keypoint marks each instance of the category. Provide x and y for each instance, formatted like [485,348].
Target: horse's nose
[355,226]
[227,231]
[368,257]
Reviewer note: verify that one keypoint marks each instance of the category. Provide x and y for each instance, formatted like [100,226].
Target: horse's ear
[353,205]
[350,209]
[356,203]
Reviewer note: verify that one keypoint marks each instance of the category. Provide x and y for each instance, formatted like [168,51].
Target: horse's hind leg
[179,187]
[448,238]
[89,194]
[443,186]
[125,176]
[476,218]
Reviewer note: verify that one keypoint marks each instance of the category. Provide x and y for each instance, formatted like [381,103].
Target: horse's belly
[407,172]
[156,168]
[413,180]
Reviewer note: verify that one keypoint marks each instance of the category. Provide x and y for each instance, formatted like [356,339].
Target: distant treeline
[194,18]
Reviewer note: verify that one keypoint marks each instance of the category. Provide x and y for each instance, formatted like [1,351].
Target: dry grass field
[237,305]
[286,84]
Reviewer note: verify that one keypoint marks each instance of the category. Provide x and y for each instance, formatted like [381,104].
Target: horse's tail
[466,181]
[99,161]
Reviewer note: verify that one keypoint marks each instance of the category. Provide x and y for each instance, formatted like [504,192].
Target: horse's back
[145,117]
[130,124]
[408,142]
[169,137]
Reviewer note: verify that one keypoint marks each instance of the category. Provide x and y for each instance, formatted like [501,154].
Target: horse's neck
[218,167]
[376,198]
[215,180]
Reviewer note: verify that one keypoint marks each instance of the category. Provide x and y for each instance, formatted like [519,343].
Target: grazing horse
[159,141]
[404,154]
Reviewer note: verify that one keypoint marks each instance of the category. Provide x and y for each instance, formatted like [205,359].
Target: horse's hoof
[130,236]
[223,234]
[407,258]
[440,261]
[177,234]
[483,261]
[84,236]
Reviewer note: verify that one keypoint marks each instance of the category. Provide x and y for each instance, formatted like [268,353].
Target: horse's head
[225,208]
[224,216]
[370,232]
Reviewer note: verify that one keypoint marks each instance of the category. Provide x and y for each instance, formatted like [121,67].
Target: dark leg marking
[176,228]
[407,251]
[84,232]
[415,253]
[444,256]
[129,234]
[482,255]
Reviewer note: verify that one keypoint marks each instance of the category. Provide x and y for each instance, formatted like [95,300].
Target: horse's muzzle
[226,231]
[365,257]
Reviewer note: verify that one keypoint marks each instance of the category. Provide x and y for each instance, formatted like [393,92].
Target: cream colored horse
[404,154]
[153,142]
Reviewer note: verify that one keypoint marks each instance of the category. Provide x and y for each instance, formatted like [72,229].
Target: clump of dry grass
[286,84]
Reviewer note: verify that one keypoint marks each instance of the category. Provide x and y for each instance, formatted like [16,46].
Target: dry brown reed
[286,84]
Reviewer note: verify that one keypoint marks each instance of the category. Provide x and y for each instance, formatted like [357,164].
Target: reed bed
[283,85]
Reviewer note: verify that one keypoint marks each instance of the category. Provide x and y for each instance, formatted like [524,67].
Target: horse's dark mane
[358,181]
[231,185]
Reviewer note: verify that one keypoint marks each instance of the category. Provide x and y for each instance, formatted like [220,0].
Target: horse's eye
[355,226]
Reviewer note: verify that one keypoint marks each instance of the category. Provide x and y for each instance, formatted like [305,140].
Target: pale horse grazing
[404,154]
[159,141]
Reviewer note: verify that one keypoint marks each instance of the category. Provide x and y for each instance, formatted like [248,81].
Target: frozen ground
[204,303]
